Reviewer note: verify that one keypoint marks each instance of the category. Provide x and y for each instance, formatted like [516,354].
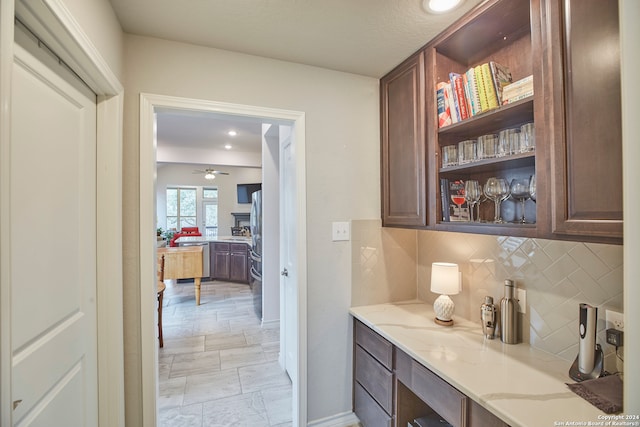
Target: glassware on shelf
[527,138]
[532,187]
[487,146]
[449,156]
[508,142]
[519,189]
[472,194]
[497,189]
[467,152]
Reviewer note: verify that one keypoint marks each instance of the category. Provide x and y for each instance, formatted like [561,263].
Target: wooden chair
[161,288]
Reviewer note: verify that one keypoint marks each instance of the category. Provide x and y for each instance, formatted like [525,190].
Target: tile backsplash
[557,277]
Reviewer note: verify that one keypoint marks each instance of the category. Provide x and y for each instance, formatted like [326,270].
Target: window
[181,208]
[210,209]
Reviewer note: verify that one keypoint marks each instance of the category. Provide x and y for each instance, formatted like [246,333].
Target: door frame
[56,26]
[149,359]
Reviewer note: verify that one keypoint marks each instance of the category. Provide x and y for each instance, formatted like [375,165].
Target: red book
[458,93]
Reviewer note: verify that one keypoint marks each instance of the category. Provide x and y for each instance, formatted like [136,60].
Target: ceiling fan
[210,173]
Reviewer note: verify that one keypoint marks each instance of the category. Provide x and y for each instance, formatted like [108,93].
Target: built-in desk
[517,384]
[183,263]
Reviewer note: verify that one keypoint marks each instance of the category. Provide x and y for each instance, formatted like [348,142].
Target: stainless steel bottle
[488,315]
[509,315]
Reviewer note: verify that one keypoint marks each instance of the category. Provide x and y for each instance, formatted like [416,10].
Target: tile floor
[219,367]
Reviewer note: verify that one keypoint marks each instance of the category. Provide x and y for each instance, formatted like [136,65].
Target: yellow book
[490,89]
[482,94]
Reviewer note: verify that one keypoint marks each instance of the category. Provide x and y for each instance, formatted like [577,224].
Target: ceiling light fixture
[232,133]
[440,6]
[227,146]
[209,175]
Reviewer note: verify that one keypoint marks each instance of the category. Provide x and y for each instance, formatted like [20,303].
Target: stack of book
[516,91]
[478,90]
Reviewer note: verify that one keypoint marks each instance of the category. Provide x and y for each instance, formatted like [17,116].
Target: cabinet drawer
[480,417]
[375,378]
[238,247]
[377,346]
[221,247]
[442,397]
[368,411]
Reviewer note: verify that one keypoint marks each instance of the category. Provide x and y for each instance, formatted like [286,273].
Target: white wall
[342,147]
[173,174]
[99,22]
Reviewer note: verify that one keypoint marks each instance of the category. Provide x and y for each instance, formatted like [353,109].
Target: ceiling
[366,37]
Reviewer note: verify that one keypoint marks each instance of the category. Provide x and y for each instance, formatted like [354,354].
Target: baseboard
[270,323]
[345,419]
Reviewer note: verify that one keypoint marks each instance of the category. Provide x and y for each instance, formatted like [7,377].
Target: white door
[210,219]
[289,284]
[53,246]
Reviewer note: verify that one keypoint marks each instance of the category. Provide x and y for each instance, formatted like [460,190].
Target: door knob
[284,273]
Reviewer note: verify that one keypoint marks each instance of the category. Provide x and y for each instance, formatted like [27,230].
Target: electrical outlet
[615,320]
[521,296]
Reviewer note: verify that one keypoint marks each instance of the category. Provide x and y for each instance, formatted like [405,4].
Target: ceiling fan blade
[220,173]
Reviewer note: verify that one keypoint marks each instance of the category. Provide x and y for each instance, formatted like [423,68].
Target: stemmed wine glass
[520,191]
[496,189]
[472,194]
[532,187]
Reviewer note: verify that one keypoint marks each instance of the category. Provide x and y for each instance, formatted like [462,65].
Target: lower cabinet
[373,378]
[229,261]
[392,389]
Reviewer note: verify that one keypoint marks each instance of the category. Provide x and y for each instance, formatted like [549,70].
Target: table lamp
[445,280]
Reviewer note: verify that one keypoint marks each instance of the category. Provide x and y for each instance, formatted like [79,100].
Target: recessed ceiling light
[232,133]
[227,146]
[440,6]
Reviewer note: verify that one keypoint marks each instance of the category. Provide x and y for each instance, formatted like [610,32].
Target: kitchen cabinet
[566,46]
[392,389]
[585,122]
[229,261]
[373,378]
[404,192]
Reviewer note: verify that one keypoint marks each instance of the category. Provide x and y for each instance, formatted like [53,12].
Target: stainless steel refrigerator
[255,281]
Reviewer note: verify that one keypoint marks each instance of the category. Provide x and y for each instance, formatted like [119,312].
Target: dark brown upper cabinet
[585,127]
[570,48]
[403,156]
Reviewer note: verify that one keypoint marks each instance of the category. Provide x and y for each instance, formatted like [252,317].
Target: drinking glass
[472,194]
[496,189]
[520,191]
[532,187]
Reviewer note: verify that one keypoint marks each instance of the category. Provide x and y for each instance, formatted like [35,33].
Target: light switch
[340,231]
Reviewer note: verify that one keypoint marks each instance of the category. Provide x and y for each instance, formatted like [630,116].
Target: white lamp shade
[445,278]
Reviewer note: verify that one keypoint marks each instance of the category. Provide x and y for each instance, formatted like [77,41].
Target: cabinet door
[403,144]
[587,151]
[221,261]
[238,266]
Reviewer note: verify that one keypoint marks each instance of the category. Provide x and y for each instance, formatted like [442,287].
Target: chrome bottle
[488,316]
[509,315]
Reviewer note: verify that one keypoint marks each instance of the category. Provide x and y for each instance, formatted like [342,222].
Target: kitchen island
[224,257]
[519,384]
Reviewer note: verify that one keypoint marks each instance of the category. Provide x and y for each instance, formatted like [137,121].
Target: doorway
[149,105]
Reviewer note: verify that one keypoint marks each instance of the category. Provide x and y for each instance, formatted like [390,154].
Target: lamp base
[443,322]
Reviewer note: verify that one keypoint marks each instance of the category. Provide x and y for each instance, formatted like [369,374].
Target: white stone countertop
[516,382]
[223,239]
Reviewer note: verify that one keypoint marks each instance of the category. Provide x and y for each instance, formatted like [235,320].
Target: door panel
[288,254]
[53,248]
